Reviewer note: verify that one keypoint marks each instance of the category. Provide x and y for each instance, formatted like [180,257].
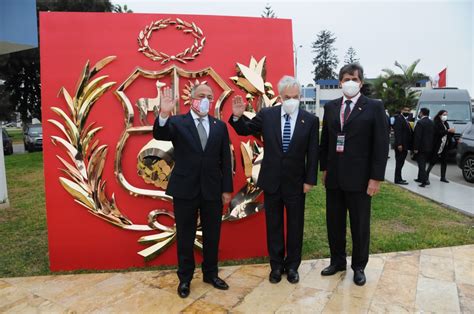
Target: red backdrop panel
[79,240]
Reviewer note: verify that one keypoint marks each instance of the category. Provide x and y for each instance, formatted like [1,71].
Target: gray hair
[193,89]
[288,81]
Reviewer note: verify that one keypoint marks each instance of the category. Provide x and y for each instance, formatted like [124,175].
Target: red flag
[442,78]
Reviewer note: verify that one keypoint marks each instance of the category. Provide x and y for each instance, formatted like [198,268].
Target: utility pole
[4,203]
[295,50]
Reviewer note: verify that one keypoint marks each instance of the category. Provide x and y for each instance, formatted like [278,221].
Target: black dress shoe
[293,276]
[404,181]
[401,182]
[332,269]
[184,289]
[444,180]
[427,182]
[217,283]
[422,185]
[417,180]
[359,277]
[275,276]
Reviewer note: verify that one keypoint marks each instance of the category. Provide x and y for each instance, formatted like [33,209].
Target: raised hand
[238,106]
[167,102]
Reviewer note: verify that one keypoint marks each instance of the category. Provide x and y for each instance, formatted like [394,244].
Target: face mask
[444,118]
[290,105]
[350,88]
[405,114]
[201,106]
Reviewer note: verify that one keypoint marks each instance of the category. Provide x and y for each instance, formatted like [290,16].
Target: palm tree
[396,89]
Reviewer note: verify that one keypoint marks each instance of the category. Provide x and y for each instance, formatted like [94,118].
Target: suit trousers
[400,157]
[358,204]
[421,159]
[186,215]
[274,215]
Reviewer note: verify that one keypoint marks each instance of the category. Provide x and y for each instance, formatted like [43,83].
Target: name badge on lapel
[341,138]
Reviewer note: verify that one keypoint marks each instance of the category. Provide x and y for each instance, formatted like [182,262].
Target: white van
[456,102]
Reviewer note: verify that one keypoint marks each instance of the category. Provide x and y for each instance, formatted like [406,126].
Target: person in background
[403,142]
[443,135]
[423,144]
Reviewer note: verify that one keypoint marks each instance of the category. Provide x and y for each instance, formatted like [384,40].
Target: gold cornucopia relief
[83,180]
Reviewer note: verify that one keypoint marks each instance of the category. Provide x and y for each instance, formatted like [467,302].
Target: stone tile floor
[433,280]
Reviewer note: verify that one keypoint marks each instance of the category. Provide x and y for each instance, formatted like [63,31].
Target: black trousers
[442,158]
[400,157]
[421,159]
[186,215]
[358,204]
[274,211]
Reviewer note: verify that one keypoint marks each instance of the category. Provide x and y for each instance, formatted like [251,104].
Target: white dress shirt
[205,121]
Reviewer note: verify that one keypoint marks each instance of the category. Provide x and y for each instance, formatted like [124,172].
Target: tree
[351,56]
[326,60]
[396,90]
[75,5]
[22,84]
[268,12]
[119,9]
[21,71]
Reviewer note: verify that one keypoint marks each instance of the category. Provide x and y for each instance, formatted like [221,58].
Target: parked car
[465,153]
[7,143]
[33,137]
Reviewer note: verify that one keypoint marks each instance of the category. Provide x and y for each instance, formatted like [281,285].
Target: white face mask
[444,118]
[290,105]
[350,88]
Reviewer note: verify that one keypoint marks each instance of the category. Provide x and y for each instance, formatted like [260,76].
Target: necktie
[202,133]
[286,133]
[347,110]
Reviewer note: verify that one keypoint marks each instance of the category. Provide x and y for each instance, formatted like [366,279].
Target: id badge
[341,137]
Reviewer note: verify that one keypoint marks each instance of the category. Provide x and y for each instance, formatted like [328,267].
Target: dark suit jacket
[290,170]
[403,133]
[195,170]
[423,136]
[440,130]
[366,145]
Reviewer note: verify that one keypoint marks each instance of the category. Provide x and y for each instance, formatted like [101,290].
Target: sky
[440,33]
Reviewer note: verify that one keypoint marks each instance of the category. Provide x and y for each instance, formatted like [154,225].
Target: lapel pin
[302,121]
[215,122]
[359,108]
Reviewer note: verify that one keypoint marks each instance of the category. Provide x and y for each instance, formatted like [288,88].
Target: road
[19,148]
[453,172]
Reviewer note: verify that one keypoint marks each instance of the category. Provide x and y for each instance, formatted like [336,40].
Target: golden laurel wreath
[188,54]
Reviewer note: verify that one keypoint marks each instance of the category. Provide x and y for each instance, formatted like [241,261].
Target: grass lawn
[400,221]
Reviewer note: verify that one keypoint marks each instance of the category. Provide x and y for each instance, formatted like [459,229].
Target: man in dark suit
[403,142]
[354,149]
[289,170]
[201,180]
[423,144]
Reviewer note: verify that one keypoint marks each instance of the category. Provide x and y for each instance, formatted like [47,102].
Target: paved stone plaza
[433,280]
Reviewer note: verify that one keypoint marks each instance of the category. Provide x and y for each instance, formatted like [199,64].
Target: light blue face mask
[204,106]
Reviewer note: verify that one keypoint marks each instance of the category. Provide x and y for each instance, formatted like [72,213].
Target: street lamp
[295,51]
